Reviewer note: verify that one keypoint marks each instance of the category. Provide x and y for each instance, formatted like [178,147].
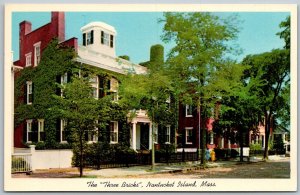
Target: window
[112,86]
[28,59]
[168,133]
[63,124]
[41,132]
[168,101]
[113,126]
[95,85]
[37,53]
[188,135]
[63,80]
[105,39]
[29,93]
[88,38]
[92,135]
[188,110]
[29,130]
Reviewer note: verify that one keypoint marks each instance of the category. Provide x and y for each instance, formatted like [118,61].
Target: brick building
[97,50]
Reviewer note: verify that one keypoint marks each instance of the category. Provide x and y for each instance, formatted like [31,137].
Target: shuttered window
[113,132]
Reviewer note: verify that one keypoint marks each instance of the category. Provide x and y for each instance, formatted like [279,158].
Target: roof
[99,24]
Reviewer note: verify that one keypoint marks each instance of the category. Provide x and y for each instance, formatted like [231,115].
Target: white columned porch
[150,136]
[134,136]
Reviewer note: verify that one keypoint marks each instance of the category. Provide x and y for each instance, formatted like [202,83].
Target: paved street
[271,169]
[274,168]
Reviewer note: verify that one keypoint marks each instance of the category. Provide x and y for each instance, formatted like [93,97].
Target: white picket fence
[29,159]
[21,162]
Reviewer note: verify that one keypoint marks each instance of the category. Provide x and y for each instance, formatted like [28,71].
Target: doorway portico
[141,132]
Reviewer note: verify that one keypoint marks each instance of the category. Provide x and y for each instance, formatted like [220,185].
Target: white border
[16,184]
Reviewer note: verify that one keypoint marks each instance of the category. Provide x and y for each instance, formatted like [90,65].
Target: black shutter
[25,93]
[102,37]
[68,77]
[92,36]
[58,130]
[58,80]
[101,87]
[34,133]
[111,41]
[84,39]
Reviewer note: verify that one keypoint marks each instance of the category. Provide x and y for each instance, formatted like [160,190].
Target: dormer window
[107,39]
[88,38]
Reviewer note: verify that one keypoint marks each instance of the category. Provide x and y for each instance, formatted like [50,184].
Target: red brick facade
[42,37]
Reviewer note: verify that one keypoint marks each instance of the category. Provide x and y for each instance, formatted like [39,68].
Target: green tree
[273,68]
[197,60]
[286,32]
[82,113]
[150,92]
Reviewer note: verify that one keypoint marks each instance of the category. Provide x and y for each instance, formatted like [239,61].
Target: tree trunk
[203,141]
[81,157]
[241,144]
[267,135]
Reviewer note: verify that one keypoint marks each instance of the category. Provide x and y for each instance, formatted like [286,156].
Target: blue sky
[137,31]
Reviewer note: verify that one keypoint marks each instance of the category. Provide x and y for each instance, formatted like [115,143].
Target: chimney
[25,28]
[58,23]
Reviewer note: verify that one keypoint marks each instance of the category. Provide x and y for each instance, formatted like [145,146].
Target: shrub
[255,147]
[102,153]
[40,146]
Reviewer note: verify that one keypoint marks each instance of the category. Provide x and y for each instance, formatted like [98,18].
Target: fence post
[33,160]
[183,155]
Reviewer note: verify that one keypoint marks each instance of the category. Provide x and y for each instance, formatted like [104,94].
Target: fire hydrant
[213,155]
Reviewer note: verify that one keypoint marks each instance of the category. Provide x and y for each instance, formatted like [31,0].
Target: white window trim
[41,128]
[95,85]
[28,83]
[186,111]
[37,45]
[63,124]
[28,59]
[88,38]
[186,134]
[114,91]
[168,132]
[95,135]
[115,130]
[28,129]
[106,39]
[63,80]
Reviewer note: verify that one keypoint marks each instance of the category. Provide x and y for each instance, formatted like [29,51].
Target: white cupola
[99,37]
